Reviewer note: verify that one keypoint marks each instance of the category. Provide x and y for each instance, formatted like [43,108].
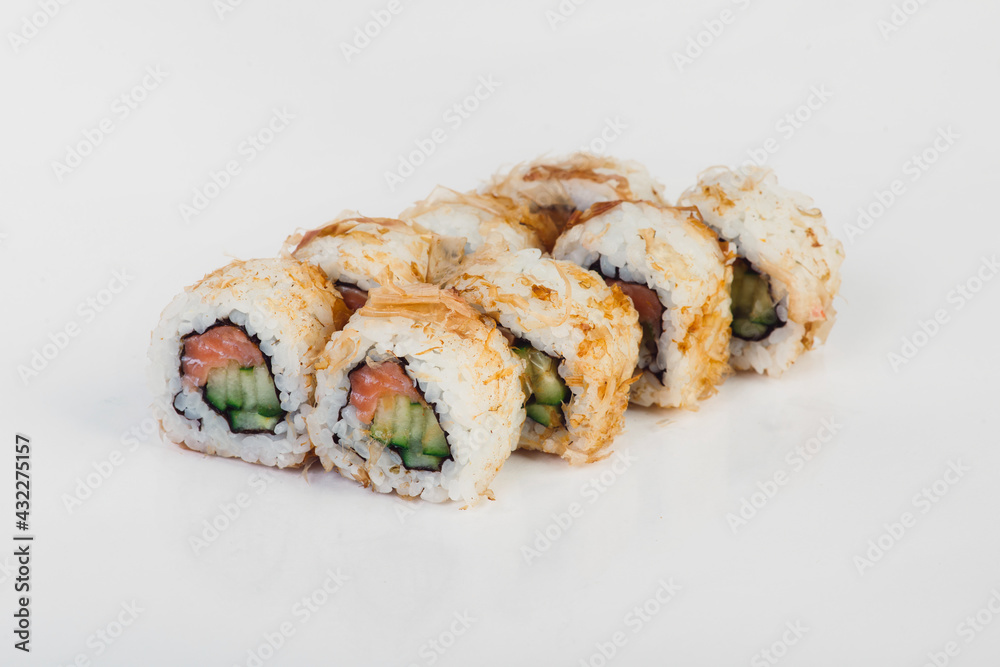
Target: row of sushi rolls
[415,354]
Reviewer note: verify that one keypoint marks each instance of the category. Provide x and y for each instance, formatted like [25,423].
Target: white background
[412,566]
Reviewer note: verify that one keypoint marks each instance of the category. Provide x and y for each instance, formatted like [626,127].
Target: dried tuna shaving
[379,250]
[496,205]
[707,344]
[499,208]
[427,303]
[812,237]
[347,225]
[662,257]
[554,173]
[445,254]
[690,209]
[580,217]
[419,299]
[309,282]
[516,302]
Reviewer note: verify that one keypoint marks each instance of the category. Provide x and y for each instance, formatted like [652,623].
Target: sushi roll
[579,337]
[418,394]
[675,272]
[481,218]
[232,360]
[556,188]
[787,271]
[358,254]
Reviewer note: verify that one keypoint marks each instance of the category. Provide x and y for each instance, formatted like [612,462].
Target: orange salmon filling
[369,384]
[215,349]
[384,397]
[230,371]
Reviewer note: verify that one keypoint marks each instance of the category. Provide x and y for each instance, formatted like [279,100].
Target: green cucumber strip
[234,388]
[381,428]
[215,389]
[550,389]
[434,441]
[543,376]
[546,415]
[240,420]
[249,387]
[245,396]
[754,311]
[417,461]
[268,404]
[418,420]
[751,331]
[412,430]
[401,423]
[763,311]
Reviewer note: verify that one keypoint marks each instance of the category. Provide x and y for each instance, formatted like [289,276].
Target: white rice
[576,181]
[569,314]
[369,252]
[479,219]
[466,372]
[783,236]
[291,310]
[672,253]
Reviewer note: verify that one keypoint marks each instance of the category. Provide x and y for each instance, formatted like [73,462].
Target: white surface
[663,518]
